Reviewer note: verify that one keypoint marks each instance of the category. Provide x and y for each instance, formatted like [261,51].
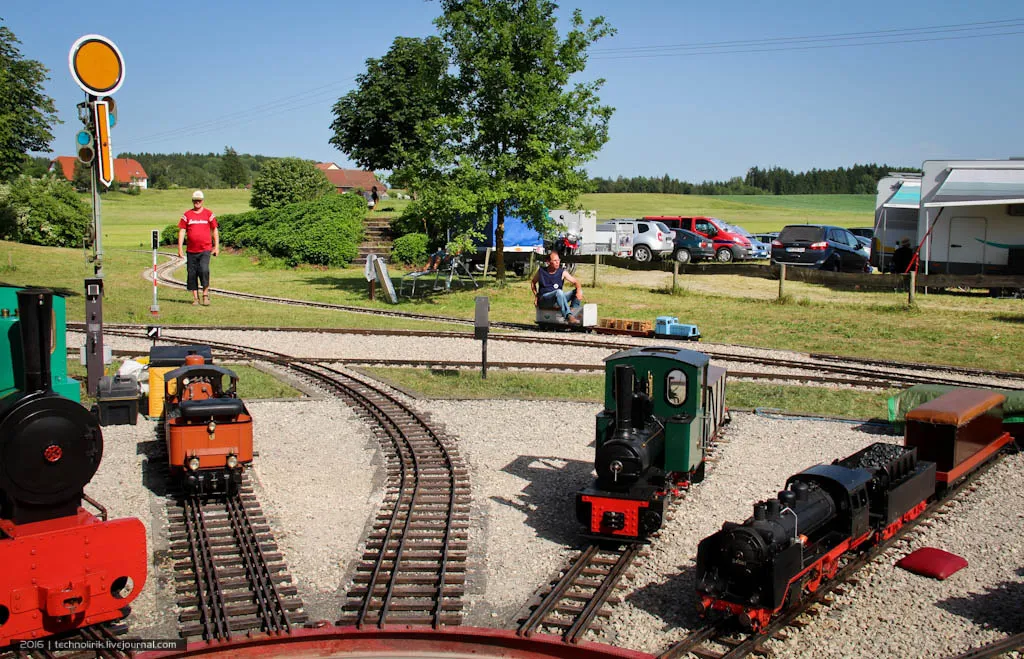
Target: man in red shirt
[197,225]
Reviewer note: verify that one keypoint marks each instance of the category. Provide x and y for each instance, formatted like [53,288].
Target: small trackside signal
[156,239]
[101,122]
[85,148]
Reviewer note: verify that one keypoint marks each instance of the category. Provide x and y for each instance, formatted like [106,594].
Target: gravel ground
[306,450]
[128,487]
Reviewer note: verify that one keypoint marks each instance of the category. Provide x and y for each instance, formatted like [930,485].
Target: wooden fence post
[597,261]
[532,254]
[675,274]
[782,280]
[487,260]
[913,287]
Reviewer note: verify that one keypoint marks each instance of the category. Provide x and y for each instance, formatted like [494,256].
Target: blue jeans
[558,298]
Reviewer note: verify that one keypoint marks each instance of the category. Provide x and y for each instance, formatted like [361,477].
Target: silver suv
[650,238]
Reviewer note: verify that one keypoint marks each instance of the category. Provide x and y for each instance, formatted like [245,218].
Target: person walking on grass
[199,227]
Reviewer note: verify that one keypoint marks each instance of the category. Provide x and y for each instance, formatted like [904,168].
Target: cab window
[675,387]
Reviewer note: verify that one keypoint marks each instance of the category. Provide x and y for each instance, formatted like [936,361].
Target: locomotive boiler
[663,408]
[63,567]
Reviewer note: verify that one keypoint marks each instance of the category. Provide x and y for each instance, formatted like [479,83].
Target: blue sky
[262,76]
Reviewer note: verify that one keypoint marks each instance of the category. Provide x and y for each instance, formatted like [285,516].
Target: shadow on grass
[63,292]
[548,498]
[425,293]
[1017,319]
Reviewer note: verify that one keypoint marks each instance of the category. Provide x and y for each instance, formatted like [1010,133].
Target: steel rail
[271,607]
[550,601]
[601,595]
[210,598]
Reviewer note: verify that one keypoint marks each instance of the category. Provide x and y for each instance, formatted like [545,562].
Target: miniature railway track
[413,569]
[722,638]
[828,369]
[574,602]
[995,648]
[228,574]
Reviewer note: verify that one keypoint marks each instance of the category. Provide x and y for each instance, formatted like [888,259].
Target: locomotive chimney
[774,509]
[623,400]
[35,316]
[759,510]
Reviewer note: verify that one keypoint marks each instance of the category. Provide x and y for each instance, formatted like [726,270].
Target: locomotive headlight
[211,426]
[232,461]
[193,464]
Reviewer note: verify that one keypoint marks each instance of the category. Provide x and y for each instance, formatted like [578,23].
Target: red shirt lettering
[198,226]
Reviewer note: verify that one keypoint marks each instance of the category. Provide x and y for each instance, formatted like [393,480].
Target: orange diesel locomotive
[207,427]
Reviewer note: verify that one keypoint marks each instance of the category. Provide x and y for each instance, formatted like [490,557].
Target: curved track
[413,569]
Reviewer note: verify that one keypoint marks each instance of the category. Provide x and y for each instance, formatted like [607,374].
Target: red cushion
[932,562]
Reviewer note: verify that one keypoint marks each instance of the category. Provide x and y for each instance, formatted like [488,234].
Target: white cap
[198,194]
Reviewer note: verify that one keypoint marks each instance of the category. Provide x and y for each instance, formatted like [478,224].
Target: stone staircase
[377,239]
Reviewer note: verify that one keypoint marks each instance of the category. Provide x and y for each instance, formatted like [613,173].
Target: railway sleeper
[455,566]
[403,605]
[423,534]
[226,573]
[240,625]
[448,620]
[221,548]
[231,584]
[265,540]
[574,610]
[282,591]
[413,555]
[237,610]
[226,559]
[413,579]
[410,591]
[419,544]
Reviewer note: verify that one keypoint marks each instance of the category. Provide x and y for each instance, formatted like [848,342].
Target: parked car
[650,239]
[820,246]
[728,246]
[767,238]
[758,249]
[692,247]
[866,232]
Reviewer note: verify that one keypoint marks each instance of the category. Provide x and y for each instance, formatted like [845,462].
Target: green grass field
[754,213]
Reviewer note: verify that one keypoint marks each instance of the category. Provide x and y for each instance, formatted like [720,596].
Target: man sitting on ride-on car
[551,293]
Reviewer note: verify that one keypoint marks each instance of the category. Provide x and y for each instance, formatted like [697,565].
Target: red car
[729,246]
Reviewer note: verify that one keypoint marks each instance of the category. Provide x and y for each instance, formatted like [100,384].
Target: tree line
[859,179]
[229,169]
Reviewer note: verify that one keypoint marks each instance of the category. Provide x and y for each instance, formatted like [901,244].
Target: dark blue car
[820,246]
[690,246]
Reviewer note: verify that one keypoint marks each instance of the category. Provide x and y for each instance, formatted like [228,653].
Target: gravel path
[319,478]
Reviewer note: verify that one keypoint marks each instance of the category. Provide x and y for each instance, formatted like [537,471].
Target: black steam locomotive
[794,541]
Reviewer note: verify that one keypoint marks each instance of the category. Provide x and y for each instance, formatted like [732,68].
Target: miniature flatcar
[207,427]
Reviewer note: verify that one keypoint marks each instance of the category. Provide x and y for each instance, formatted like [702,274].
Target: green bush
[410,249]
[326,231]
[169,236]
[288,181]
[43,211]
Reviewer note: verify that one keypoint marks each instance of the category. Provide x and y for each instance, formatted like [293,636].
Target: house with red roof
[127,171]
[347,180]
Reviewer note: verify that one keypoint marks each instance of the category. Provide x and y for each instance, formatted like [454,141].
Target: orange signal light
[104,152]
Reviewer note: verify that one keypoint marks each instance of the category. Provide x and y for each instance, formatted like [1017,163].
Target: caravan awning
[907,195]
[979,187]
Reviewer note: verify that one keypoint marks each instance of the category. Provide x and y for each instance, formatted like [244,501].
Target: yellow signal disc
[96,65]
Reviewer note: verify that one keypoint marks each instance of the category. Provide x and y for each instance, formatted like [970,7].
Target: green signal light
[84,138]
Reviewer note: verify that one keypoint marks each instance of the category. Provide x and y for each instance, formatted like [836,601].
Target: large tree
[232,170]
[26,113]
[499,128]
[286,181]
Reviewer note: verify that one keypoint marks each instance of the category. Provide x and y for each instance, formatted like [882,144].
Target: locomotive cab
[208,427]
